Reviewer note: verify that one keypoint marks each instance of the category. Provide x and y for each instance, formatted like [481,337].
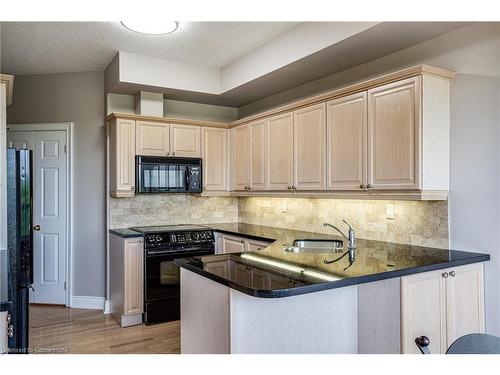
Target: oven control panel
[178,238]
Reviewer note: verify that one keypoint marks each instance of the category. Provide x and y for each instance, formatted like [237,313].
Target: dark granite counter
[125,233]
[273,272]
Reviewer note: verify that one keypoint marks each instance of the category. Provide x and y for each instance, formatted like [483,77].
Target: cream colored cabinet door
[394,135]
[346,143]
[214,155]
[423,311]
[254,245]
[133,300]
[279,152]
[465,301]
[232,244]
[257,146]
[152,138]
[442,305]
[122,157]
[309,138]
[185,141]
[240,157]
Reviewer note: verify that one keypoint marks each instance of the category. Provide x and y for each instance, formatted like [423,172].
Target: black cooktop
[169,228]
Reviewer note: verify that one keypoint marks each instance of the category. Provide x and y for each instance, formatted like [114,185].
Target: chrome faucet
[351,246]
[351,236]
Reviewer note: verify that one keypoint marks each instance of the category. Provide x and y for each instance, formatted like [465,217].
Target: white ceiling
[61,47]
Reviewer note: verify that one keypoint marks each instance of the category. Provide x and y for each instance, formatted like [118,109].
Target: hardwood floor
[56,329]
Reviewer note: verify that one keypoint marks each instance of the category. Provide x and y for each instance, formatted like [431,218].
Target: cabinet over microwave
[168,175]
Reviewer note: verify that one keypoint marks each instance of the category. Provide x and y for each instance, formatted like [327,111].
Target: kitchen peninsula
[277,301]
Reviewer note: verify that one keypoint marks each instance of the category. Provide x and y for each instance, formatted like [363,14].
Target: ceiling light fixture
[150,27]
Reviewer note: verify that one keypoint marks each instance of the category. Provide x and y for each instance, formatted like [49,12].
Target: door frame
[68,128]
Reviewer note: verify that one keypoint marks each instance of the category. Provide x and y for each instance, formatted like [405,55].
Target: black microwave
[156,174]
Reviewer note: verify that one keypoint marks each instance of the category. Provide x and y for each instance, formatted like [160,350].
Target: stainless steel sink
[315,246]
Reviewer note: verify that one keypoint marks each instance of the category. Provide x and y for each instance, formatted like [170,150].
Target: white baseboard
[107,307]
[87,302]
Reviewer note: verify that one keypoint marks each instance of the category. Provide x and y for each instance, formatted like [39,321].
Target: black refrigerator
[19,245]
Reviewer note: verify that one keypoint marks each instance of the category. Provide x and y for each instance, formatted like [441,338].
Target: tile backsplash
[408,222]
[159,209]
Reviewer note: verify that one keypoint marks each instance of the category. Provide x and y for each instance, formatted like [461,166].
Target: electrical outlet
[389,212]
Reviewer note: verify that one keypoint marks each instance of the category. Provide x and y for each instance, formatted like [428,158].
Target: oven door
[162,283]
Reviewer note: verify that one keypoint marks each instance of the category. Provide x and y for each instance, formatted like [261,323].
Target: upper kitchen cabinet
[279,152]
[159,139]
[394,135]
[309,151]
[257,148]
[409,135]
[240,157]
[185,140]
[346,142]
[215,155]
[248,156]
[152,138]
[122,157]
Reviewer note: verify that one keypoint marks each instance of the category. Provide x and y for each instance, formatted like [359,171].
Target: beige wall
[414,223]
[78,98]
[159,209]
[470,50]
[121,103]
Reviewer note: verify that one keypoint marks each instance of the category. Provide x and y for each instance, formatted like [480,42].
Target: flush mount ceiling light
[151,27]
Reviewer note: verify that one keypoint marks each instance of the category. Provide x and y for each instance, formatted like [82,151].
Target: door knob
[37,227]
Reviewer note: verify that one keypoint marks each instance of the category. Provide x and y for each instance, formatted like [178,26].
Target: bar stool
[474,343]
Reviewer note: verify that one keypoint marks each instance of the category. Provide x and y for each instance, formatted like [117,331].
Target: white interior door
[49,211]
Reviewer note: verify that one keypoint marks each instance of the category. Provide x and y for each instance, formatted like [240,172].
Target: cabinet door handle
[293,187]
[37,227]
[369,186]
[140,241]
[289,188]
[132,188]
[173,153]
[168,153]
[445,275]
[452,273]
[362,186]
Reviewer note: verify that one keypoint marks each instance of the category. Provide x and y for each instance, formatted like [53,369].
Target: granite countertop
[273,272]
[125,233]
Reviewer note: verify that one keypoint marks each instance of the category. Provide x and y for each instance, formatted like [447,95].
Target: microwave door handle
[188,171]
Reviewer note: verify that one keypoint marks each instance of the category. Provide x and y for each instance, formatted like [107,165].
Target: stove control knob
[173,237]
[196,236]
[158,238]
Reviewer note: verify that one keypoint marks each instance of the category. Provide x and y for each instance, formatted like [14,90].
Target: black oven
[161,277]
[168,175]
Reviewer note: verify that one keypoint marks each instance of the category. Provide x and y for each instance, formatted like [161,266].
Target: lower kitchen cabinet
[442,305]
[237,244]
[126,281]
